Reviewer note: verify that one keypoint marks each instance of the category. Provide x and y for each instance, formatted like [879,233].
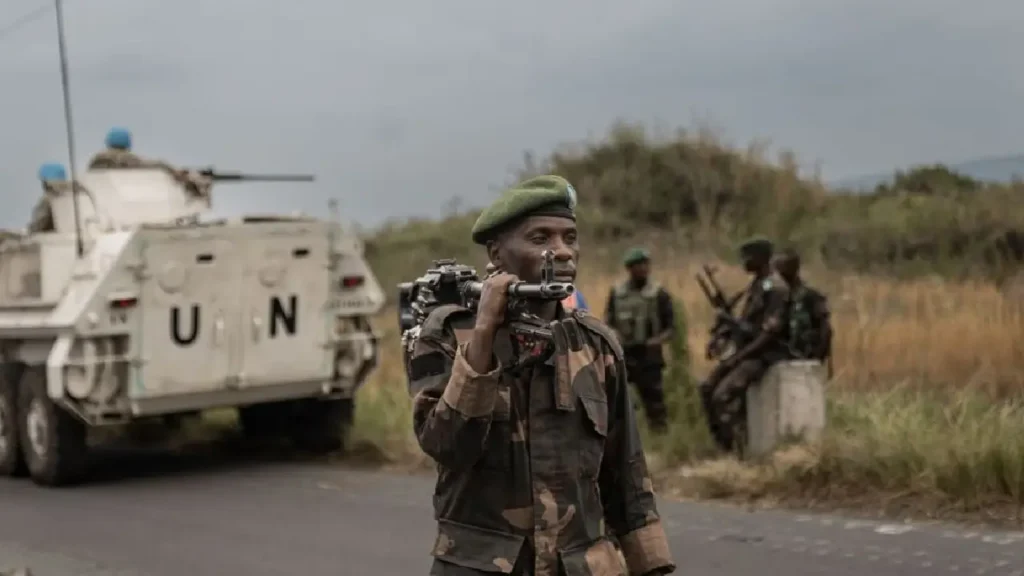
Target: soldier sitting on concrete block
[810,325]
[761,344]
[790,400]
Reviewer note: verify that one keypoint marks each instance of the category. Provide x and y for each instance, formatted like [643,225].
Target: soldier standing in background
[641,312]
[761,345]
[810,325]
[539,465]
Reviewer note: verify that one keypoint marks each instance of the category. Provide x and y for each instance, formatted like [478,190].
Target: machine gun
[214,175]
[451,283]
[727,329]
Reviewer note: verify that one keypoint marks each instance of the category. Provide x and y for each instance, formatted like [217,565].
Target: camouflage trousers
[724,396]
[523,567]
[647,377]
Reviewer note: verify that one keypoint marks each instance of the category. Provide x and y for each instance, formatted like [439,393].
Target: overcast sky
[397,106]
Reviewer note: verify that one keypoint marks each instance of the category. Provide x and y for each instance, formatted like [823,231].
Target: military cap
[540,196]
[757,245]
[635,255]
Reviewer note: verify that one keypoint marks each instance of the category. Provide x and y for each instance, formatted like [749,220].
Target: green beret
[549,195]
[635,255]
[757,245]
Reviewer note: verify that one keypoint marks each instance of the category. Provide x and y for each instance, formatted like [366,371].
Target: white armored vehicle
[164,314]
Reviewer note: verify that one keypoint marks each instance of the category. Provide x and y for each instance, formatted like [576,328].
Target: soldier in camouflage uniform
[538,467]
[118,154]
[810,326]
[50,175]
[640,311]
[764,310]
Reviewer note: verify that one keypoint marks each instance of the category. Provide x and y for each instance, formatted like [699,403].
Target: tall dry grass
[924,401]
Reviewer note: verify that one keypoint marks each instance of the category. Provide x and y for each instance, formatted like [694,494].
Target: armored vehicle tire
[52,440]
[323,425]
[265,421]
[12,463]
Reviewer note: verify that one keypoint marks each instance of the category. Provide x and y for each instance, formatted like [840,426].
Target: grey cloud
[398,106]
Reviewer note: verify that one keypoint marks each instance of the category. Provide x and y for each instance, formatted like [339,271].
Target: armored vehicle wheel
[52,440]
[322,425]
[265,421]
[11,461]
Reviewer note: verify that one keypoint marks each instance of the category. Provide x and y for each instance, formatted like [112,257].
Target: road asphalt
[171,515]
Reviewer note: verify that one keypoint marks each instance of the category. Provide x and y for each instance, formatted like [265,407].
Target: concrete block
[789,404]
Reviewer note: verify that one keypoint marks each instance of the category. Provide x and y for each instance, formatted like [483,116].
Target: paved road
[167,516]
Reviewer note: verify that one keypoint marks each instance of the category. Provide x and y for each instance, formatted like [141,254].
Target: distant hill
[1001,169]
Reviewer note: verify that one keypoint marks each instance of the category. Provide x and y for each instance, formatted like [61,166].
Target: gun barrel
[263,177]
[528,291]
[243,177]
[548,291]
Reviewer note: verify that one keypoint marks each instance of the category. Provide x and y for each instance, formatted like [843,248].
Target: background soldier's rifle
[727,329]
[451,283]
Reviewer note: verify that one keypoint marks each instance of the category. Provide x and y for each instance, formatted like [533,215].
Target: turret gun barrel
[217,176]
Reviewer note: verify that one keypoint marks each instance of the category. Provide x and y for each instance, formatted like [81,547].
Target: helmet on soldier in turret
[119,139]
[52,171]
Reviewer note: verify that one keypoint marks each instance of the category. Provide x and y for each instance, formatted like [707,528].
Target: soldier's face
[786,268]
[520,250]
[640,270]
[754,262]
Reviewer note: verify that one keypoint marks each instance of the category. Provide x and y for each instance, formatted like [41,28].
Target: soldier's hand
[494,301]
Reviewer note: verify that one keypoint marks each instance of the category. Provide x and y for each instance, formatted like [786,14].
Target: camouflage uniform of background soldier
[50,175]
[810,325]
[118,154]
[537,467]
[764,310]
[640,311]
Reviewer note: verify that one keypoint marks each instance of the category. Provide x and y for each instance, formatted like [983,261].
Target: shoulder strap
[601,330]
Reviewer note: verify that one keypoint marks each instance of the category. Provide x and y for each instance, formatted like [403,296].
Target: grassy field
[923,407]
[925,411]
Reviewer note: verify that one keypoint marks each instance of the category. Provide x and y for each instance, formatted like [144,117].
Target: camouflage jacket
[111,158]
[810,330]
[537,470]
[765,309]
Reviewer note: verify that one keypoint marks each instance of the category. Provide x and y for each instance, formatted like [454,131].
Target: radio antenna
[69,126]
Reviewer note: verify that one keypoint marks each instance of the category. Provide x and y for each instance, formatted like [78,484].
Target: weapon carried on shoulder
[727,329]
[451,283]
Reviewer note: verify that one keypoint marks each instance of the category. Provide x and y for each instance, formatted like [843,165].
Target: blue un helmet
[52,171]
[119,139]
